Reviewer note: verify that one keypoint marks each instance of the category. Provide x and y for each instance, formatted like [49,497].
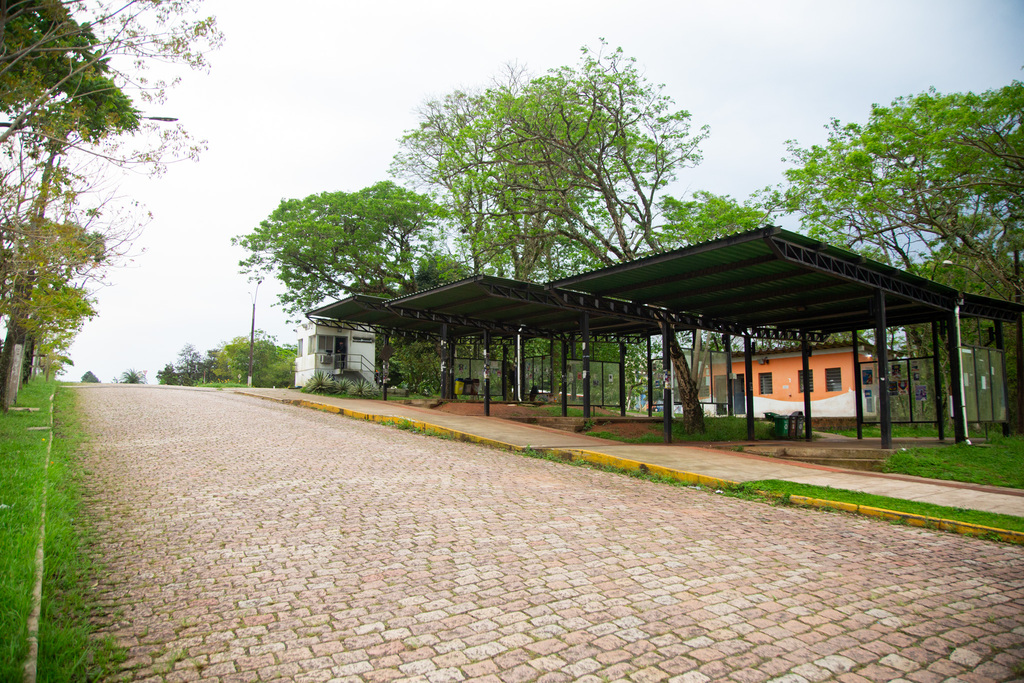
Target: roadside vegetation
[67,651]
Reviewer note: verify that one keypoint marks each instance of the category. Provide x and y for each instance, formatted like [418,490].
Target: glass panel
[968,371]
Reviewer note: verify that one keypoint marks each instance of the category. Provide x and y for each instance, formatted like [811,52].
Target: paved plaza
[248,540]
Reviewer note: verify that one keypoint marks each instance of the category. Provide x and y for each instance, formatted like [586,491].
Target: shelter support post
[956,376]
[504,370]
[487,373]
[650,381]
[622,378]
[384,367]
[444,360]
[805,355]
[1000,344]
[858,386]
[940,412]
[565,383]
[666,359]
[882,349]
[748,380]
[585,348]
[729,381]
[551,361]
[520,380]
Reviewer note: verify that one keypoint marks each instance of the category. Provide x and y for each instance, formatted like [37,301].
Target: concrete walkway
[705,460]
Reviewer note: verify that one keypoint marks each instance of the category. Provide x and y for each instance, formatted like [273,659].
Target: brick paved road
[248,540]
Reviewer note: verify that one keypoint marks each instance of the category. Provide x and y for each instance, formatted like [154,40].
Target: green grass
[1000,462]
[66,650]
[781,490]
[906,431]
[715,429]
[23,456]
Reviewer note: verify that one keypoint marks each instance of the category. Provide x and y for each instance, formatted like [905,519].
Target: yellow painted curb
[964,528]
[606,460]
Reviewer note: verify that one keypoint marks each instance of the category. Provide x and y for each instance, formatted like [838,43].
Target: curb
[570,454]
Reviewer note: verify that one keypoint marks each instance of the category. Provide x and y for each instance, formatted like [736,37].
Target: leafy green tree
[272,365]
[190,369]
[566,171]
[90,378]
[708,216]
[66,103]
[928,179]
[335,243]
[570,164]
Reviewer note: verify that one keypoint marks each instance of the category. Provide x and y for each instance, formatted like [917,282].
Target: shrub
[320,383]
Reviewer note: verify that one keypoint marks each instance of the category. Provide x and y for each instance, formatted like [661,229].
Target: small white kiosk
[341,351]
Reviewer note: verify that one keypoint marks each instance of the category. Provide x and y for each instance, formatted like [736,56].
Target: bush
[320,383]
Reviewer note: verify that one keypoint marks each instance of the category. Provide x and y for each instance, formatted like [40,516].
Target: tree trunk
[693,412]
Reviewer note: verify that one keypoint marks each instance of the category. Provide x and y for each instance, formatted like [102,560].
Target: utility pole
[252,332]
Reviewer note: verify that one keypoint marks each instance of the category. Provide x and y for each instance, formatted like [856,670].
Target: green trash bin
[782,426]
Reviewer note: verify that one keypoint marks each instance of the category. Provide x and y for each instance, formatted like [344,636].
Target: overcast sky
[312,96]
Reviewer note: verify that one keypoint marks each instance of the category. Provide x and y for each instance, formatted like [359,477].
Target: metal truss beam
[820,261]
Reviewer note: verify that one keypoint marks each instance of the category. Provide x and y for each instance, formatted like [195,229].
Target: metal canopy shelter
[767,283]
[774,283]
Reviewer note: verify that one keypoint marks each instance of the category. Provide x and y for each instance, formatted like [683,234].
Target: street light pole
[252,331]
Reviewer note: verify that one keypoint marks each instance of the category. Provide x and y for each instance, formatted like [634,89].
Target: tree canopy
[327,245]
[546,176]
[928,179]
[71,84]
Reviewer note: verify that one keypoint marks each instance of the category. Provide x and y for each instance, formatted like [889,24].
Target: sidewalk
[701,464]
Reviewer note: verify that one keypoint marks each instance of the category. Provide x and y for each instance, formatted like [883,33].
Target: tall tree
[929,178]
[66,104]
[335,243]
[564,172]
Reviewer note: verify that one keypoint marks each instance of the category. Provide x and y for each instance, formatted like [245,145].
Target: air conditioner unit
[325,359]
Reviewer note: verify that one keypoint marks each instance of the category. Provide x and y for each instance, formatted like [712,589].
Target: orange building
[778,381]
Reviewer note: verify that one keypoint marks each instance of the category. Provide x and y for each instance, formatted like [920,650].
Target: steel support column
[940,411]
[748,380]
[622,378]
[585,347]
[805,356]
[487,373]
[882,349]
[666,359]
[729,381]
[650,381]
[565,383]
[858,386]
[444,360]
[956,376]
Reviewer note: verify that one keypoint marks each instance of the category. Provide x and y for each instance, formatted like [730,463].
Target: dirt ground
[629,430]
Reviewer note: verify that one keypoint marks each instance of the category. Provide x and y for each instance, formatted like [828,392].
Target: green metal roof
[770,281]
[773,278]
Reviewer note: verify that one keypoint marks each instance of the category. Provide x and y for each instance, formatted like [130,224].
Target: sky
[312,96]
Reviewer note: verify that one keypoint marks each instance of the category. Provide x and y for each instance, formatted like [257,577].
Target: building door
[739,397]
[340,353]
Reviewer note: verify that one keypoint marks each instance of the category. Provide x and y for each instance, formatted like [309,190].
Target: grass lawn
[67,652]
[999,462]
[777,489]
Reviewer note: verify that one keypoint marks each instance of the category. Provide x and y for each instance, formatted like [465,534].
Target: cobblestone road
[248,541]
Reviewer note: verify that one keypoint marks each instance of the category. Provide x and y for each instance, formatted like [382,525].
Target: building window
[833,379]
[765,380]
[299,353]
[312,344]
[810,384]
[324,344]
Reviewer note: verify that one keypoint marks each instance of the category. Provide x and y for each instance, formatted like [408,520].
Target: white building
[340,351]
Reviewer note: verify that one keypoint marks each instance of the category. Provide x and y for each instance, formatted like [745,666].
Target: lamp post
[252,331]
